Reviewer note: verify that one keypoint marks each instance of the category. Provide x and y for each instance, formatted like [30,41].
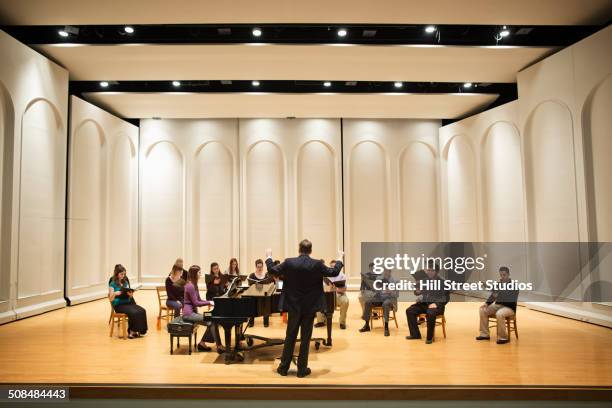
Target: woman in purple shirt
[191,302]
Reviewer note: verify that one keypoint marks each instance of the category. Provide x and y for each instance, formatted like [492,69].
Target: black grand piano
[239,303]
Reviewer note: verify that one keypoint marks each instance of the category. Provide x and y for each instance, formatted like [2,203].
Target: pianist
[191,303]
[303,296]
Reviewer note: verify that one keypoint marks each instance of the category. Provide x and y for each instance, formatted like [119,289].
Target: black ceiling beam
[409,34]
[278,86]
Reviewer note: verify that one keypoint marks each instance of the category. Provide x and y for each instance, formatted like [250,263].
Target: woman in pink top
[191,302]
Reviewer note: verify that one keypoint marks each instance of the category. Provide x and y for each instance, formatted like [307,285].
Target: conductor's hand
[268,252]
[340,255]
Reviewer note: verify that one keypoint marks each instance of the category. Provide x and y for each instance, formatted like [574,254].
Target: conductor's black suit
[302,298]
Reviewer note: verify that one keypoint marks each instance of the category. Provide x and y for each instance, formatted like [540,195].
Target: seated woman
[233,269]
[175,289]
[123,302]
[216,283]
[191,302]
[258,276]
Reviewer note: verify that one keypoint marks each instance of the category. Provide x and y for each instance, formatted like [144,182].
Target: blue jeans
[173,304]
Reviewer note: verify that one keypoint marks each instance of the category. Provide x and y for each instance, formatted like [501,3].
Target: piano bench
[179,328]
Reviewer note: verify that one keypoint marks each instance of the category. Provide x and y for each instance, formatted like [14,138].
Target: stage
[553,356]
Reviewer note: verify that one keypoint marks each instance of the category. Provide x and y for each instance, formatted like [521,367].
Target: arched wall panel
[462,191]
[41,204]
[316,197]
[418,200]
[7,123]
[369,205]
[265,200]
[102,197]
[213,211]
[503,188]
[552,180]
[87,192]
[123,212]
[162,209]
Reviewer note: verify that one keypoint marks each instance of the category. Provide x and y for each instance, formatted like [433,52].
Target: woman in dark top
[179,264]
[175,289]
[124,303]
[258,276]
[216,286]
[233,269]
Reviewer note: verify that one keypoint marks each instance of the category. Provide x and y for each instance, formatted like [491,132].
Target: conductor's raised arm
[335,271]
[274,270]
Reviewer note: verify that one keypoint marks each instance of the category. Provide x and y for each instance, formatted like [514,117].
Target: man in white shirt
[342,301]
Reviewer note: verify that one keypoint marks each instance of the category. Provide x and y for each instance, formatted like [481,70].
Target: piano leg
[328,318]
[227,328]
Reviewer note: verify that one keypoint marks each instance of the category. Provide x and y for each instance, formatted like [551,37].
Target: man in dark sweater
[303,297]
[501,304]
[433,301]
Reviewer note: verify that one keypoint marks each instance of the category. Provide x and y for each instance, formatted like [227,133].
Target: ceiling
[270,105]
[427,62]
[294,62]
[510,12]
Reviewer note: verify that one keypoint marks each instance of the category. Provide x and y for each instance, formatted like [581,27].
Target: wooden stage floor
[72,345]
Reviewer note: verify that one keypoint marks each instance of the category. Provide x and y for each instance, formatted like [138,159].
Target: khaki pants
[342,302]
[500,312]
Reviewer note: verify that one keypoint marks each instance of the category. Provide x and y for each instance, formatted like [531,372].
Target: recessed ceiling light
[257,32]
[255,83]
[62,33]
[467,85]
[398,84]
[369,33]
[342,32]
[128,29]
[430,29]
[104,84]
[176,83]
[327,84]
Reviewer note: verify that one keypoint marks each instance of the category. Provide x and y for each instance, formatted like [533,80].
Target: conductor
[303,296]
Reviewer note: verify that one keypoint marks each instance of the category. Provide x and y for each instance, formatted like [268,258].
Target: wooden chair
[378,309]
[121,319]
[510,325]
[165,312]
[441,322]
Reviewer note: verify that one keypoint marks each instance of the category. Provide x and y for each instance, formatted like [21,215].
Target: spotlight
[430,29]
[176,83]
[467,85]
[128,29]
[398,84]
[257,32]
[342,32]
[504,33]
[255,83]
[104,84]
[62,33]
[327,84]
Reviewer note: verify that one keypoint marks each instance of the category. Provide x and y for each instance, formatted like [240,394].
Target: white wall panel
[102,201]
[6,150]
[419,195]
[390,184]
[462,190]
[189,194]
[34,102]
[123,246]
[291,187]
[163,201]
[502,179]
[214,203]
